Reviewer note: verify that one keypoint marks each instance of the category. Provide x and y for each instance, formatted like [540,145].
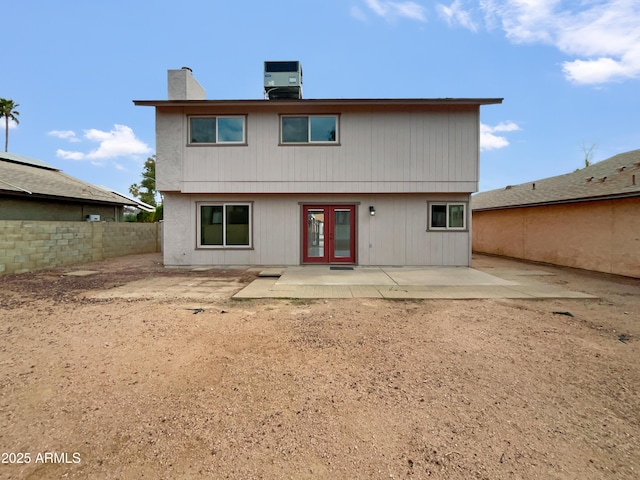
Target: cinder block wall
[128,237]
[33,245]
[602,235]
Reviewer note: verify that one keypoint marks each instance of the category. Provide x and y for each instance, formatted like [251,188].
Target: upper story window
[309,129]
[447,216]
[217,130]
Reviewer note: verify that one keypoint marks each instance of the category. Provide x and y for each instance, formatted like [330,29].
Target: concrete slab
[443,276]
[80,273]
[517,275]
[521,273]
[478,292]
[365,291]
[548,291]
[322,275]
[453,293]
[170,287]
[404,283]
[259,288]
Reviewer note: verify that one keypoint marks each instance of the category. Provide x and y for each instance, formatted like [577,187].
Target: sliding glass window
[321,129]
[447,216]
[217,130]
[224,225]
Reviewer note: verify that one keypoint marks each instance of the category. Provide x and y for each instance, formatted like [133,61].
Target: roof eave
[324,102]
[45,196]
[559,202]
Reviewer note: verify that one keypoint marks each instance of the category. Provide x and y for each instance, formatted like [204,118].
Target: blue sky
[569,71]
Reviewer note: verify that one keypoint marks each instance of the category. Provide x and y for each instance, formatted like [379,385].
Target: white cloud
[118,142]
[455,14]
[490,141]
[392,10]
[70,155]
[602,35]
[65,135]
[596,71]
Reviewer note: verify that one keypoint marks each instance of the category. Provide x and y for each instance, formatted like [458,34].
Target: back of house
[290,181]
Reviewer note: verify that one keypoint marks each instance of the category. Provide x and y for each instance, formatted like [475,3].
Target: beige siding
[602,236]
[385,152]
[17,208]
[396,235]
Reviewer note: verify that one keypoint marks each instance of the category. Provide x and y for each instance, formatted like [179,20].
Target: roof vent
[508,187]
[588,179]
[621,169]
[601,180]
[283,80]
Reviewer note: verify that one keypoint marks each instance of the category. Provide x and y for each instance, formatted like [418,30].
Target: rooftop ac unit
[283,80]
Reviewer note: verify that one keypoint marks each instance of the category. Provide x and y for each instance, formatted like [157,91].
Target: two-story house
[315,181]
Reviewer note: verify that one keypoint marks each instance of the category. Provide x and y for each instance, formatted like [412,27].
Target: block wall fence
[32,245]
[603,236]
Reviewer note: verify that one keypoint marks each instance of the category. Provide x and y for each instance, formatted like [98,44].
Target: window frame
[309,140]
[448,206]
[224,246]
[217,142]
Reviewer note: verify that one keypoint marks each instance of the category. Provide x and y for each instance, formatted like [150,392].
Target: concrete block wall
[33,245]
[128,237]
[603,235]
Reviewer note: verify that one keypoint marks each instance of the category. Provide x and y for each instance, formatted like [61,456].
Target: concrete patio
[401,283]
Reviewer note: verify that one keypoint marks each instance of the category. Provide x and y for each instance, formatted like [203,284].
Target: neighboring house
[33,190]
[293,181]
[587,219]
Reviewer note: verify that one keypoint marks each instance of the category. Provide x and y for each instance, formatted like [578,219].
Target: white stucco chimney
[183,86]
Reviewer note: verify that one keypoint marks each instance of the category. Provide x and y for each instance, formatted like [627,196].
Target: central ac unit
[283,80]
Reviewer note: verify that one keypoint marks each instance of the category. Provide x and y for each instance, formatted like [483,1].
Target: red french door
[329,233]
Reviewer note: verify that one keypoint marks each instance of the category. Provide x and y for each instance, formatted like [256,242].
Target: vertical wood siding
[396,235]
[393,152]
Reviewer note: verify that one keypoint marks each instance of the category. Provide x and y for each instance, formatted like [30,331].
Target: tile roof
[25,176]
[618,176]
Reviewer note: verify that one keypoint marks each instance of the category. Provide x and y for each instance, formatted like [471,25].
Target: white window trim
[447,227]
[217,142]
[199,243]
[309,141]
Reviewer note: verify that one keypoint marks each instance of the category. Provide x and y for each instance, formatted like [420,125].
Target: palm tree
[9,112]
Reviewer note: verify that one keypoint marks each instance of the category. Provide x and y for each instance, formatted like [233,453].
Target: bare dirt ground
[149,387]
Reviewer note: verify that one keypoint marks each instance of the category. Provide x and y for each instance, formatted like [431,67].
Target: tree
[9,112]
[589,153]
[146,191]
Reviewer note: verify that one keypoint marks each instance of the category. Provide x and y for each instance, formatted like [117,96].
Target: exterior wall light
[372,210]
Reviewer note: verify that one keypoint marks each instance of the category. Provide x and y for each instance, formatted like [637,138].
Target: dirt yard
[167,386]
